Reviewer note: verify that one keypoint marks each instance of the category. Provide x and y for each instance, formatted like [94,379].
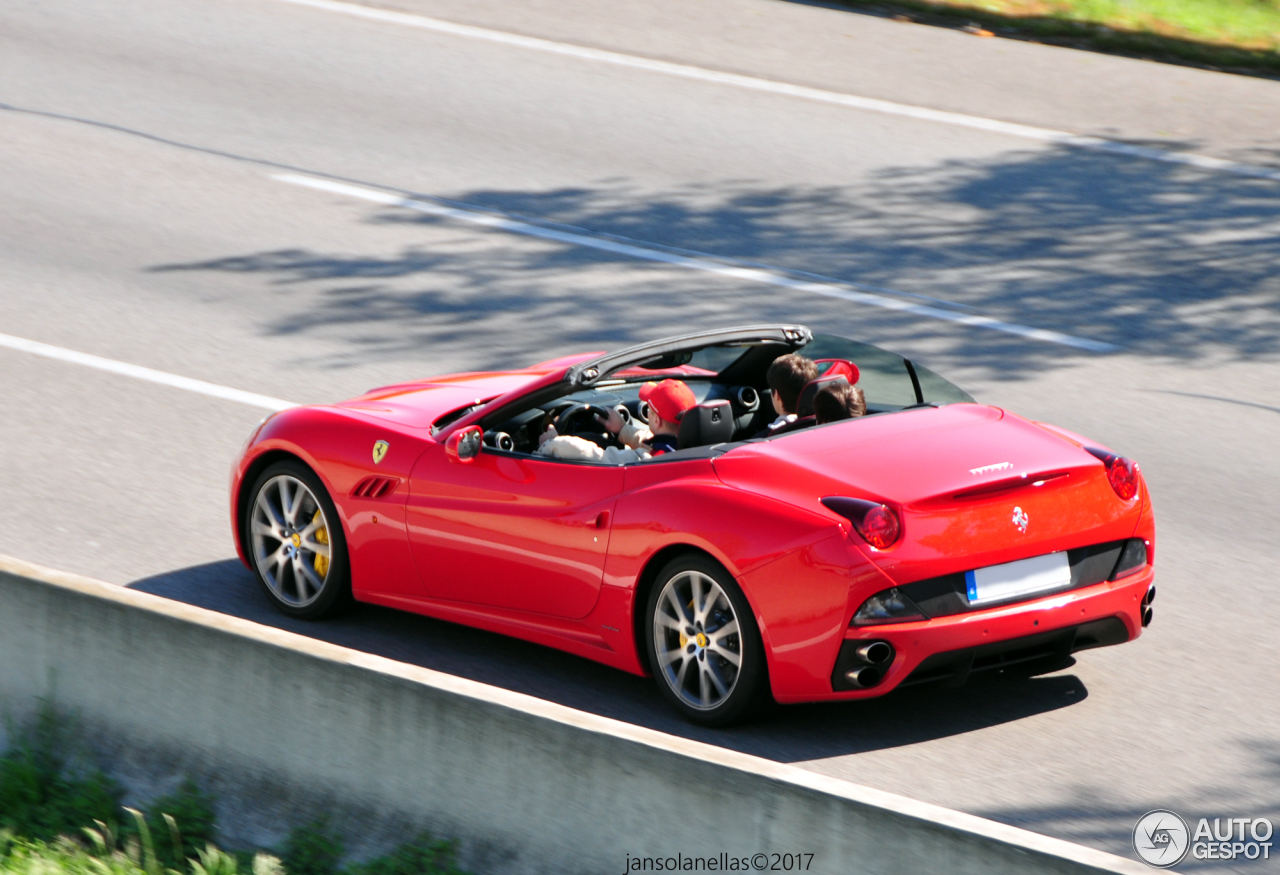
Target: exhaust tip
[1146,616]
[875,653]
[1151,594]
[863,677]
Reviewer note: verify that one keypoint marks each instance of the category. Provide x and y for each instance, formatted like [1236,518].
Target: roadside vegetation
[60,813]
[1240,36]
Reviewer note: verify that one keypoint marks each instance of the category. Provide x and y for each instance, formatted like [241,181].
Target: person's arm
[635,433]
[631,433]
[615,456]
[571,448]
[576,449]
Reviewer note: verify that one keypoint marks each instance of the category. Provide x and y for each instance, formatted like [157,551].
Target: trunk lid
[973,485]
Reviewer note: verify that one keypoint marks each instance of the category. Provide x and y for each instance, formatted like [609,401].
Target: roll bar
[588,372]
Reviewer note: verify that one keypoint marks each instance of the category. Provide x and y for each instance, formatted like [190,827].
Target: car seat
[704,424]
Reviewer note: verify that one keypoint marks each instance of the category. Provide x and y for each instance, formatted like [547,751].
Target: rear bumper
[948,649]
[953,668]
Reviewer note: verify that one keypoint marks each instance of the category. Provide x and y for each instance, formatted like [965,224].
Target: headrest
[805,406]
[704,424]
[838,368]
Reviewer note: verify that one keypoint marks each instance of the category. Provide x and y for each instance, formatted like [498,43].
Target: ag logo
[1161,838]
[380,451]
[1020,519]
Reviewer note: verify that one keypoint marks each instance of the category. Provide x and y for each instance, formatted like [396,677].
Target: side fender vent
[375,487]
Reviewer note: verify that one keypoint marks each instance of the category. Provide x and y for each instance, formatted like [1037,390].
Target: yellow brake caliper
[684,639]
[322,537]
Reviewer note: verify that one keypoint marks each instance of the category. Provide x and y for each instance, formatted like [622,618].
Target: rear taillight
[1122,473]
[878,524]
[880,527]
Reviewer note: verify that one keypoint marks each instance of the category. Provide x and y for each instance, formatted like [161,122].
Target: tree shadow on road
[1158,259]
[1094,816]
[786,734]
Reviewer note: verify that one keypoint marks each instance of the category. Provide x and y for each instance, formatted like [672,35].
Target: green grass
[182,825]
[1236,35]
[315,848]
[27,857]
[1250,24]
[60,814]
[49,784]
[99,854]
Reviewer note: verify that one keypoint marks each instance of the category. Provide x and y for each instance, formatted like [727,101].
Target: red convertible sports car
[929,539]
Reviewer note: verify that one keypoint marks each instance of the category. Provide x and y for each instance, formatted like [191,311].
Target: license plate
[996,583]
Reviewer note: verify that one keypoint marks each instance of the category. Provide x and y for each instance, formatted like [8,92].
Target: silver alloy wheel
[696,640]
[290,540]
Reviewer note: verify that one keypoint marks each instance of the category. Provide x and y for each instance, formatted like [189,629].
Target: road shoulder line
[139,372]
[773,86]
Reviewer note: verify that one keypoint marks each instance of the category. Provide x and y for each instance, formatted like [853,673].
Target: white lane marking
[140,373]
[704,263]
[754,83]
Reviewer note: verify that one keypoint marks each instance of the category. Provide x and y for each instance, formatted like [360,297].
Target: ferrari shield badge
[379,451]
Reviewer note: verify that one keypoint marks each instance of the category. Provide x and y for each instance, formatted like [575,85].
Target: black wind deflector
[588,372]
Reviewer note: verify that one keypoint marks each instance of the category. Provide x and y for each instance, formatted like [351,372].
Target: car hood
[956,477]
[419,404]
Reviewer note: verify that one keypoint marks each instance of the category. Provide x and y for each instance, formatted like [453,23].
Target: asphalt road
[140,220]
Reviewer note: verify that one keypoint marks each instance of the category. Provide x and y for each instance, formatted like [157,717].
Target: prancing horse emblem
[379,451]
[1020,519]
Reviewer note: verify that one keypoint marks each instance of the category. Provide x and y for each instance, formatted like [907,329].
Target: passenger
[667,401]
[839,401]
[787,377]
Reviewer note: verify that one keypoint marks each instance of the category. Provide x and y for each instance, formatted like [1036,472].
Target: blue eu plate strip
[971,586]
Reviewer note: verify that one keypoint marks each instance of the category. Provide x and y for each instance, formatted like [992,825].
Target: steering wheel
[581,417]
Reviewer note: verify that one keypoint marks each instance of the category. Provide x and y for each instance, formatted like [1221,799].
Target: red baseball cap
[671,398]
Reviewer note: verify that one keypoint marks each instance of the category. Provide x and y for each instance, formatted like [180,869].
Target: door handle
[602,520]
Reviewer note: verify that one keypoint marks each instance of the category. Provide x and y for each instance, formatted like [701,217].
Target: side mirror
[464,445]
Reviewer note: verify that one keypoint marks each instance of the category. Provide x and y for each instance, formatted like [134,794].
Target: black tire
[290,591]
[747,684]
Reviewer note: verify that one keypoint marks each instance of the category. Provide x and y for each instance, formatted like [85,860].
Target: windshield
[706,362]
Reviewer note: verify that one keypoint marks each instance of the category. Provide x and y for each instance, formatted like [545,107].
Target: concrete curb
[549,788]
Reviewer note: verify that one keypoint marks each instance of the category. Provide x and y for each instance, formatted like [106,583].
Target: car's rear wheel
[703,642]
[296,542]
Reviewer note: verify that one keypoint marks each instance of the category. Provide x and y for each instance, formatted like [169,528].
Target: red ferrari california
[926,540]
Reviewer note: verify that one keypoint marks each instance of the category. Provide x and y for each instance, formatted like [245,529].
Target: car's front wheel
[296,542]
[703,642]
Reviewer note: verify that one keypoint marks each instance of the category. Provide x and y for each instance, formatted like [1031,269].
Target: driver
[667,402]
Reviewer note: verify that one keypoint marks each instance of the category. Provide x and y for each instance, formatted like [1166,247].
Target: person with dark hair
[787,377]
[838,401]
